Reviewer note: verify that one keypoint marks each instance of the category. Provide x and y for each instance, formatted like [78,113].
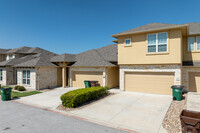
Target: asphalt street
[20,118]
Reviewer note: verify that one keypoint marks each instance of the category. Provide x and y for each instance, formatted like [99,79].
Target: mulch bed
[171,121]
[62,108]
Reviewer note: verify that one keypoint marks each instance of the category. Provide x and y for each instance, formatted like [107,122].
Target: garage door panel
[152,82]
[194,81]
[78,78]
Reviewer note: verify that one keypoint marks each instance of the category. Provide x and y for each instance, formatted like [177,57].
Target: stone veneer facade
[176,69]
[9,76]
[99,69]
[40,78]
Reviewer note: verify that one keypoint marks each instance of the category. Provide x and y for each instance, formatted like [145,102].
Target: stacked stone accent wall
[46,77]
[176,69]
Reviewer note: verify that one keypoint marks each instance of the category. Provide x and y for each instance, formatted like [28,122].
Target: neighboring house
[3,54]
[156,56]
[30,67]
[94,65]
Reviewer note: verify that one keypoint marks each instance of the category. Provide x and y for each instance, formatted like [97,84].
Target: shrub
[78,97]
[20,88]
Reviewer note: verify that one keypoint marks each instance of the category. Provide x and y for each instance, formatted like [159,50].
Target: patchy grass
[6,86]
[15,94]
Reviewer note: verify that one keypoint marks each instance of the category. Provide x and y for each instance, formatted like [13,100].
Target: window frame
[189,44]
[125,42]
[157,44]
[196,43]
[10,55]
[26,79]
[1,74]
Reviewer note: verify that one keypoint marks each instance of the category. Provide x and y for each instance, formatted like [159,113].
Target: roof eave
[173,27]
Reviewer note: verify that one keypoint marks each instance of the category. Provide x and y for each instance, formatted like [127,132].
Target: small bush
[20,88]
[78,97]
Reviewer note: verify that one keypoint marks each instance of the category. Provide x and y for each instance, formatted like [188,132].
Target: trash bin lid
[177,86]
[7,88]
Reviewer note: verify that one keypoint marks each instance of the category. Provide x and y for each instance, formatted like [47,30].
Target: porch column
[64,78]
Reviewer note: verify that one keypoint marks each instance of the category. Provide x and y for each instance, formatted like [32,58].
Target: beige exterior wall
[137,52]
[112,77]
[89,69]
[188,55]
[186,73]
[32,78]
[46,77]
[176,69]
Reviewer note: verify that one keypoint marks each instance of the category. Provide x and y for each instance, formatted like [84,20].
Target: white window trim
[26,77]
[196,43]
[125,42]
[157,43]
[1,76]
[189,44]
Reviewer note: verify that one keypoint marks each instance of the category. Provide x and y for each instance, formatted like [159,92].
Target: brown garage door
[149,82]
[78,78]
[194,81]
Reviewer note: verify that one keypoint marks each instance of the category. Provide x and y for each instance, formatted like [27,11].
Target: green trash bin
[177,92]
[87,84]
[6,94]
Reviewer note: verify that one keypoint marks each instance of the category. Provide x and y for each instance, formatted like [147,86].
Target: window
[26,77]
[198,43]
[1,74]
[10,56]
[191,45]
[127,41]
[157,42]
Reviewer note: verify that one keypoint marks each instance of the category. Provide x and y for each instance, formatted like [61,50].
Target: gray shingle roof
[64,58]
[96,57]
[149,27]
[36,57]
[21,50]
[194,28]
[3,51]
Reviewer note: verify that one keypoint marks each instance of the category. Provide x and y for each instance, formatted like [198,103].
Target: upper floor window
[1,74]
[10,56]
[128,41]
[157,42]
[26,77]
[194,43]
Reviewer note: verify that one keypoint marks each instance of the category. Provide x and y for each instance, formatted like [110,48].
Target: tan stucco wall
[189,56]
[112,77]
[46,77]
[59,76]
[137,52]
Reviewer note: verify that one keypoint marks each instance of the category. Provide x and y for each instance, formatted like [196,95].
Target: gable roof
[3,51]
[34,57]
[149,27]
[96,57]
[64,58]
[21,50]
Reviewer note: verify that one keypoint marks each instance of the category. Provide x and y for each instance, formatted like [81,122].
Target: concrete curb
[77,117]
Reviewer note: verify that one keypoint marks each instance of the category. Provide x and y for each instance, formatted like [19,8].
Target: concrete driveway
[126,110]
[49,99]
[193,101]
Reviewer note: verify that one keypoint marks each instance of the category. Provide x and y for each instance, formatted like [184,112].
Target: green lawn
[15,94]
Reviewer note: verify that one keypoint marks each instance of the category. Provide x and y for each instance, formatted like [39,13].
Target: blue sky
[74,26]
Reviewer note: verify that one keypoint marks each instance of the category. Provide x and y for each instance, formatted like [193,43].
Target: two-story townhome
[156,56]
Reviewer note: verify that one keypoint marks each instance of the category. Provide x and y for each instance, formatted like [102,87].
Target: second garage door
[78,78]
[149,82]
[194,81]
